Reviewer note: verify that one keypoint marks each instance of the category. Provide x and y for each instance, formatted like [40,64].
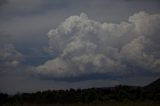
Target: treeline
[118,93]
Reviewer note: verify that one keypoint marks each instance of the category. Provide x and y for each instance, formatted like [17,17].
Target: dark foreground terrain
[121,95]
[144,103]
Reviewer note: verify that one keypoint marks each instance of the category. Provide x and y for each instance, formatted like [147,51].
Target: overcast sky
[59,44]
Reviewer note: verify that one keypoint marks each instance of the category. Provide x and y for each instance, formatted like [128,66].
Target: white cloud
[83,46]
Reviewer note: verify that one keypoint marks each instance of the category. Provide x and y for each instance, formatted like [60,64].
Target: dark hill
[154,86]
[118,94]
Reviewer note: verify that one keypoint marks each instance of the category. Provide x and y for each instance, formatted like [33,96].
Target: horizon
[146,88]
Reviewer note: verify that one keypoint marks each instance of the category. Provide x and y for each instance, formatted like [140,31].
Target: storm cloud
[82,46]
[112,42]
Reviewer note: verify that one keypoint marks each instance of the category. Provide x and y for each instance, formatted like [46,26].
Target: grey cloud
[31,7]
[9,56]
[19,5]
[141,0]
[2,2]
[84,46]
[4,38]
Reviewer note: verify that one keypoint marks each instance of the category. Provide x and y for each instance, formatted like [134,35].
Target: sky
[62,44]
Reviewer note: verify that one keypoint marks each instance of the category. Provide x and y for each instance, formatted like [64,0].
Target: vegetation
[114,96]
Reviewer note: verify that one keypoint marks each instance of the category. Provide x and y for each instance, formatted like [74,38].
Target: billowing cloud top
[82,46]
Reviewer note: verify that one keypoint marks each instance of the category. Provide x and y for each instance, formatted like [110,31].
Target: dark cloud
[4,38]
[3,2]
[142,0]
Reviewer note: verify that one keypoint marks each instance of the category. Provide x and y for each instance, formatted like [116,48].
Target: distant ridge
[119,93]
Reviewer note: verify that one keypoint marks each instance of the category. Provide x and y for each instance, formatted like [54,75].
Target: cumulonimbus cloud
[82,46]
